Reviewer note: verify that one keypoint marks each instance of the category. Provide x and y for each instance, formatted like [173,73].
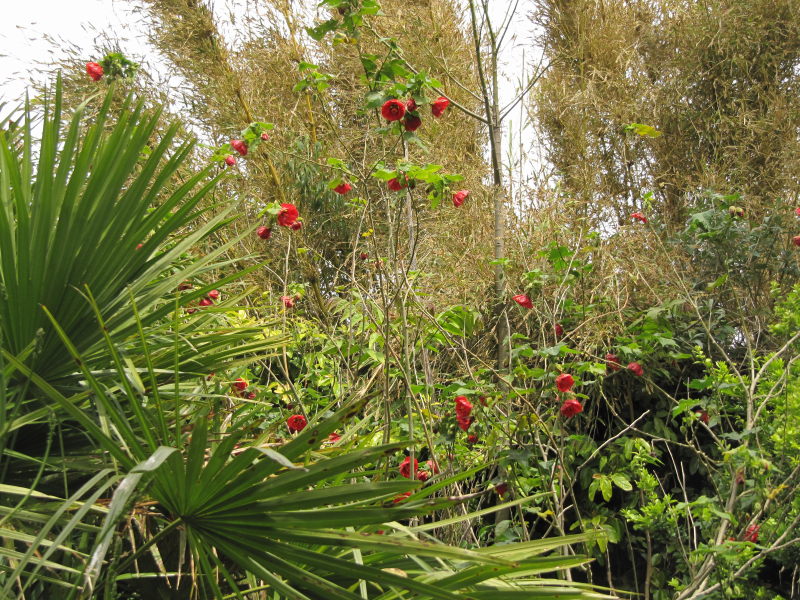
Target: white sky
[25,23]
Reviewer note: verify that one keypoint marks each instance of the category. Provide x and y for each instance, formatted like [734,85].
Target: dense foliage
[341,350]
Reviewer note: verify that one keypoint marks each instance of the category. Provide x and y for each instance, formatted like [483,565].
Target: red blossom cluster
[204,302]
[408,111]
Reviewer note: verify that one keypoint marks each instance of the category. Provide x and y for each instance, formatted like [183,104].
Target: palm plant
[130,487]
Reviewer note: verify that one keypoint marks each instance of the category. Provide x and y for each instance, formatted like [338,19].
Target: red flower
[363,256]
[459,197]
[265,136]
[796,240]
[612,362]
[559,330]
[439,106]
[230,160]
[343,188]
[463,406]
[703,416]
[523,300]
[288,215]
[501,489]
[206,302]
[472,438]
[393,110]
[405,467]
[571,407]
[264,232]
[636,369]
[797,211]
[334,437]
[639,217]
[214,294]
[94,70]
[240,384]
[401,497]
[423,475]
[296,226]
[239,146]
[751,534]
[412,122]
[395,185]
[564,382]
[464,422]
[296,423]
[288,301]
[411,104]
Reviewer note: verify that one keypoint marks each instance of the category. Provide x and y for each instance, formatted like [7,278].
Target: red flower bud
[213,294]
[251,396]
[459,197]
[636,369]
[239,146]
[240,384]
[564,382]
[412,122]
[393,110]
[439,106]
[296,423]
[472,438]
[206,302]
[265,136]
[264,232]
[184,286]
[230,160]
[334,437]
[296,226]
[401,497]
[411,104]
[639,217]
[423,475]
[363,256]
[501,489]
[612,362]
[571,407]
[796,240]
[288,301]
[703,416]
[343,188]
[523,300]
[94,70]
[559,330]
